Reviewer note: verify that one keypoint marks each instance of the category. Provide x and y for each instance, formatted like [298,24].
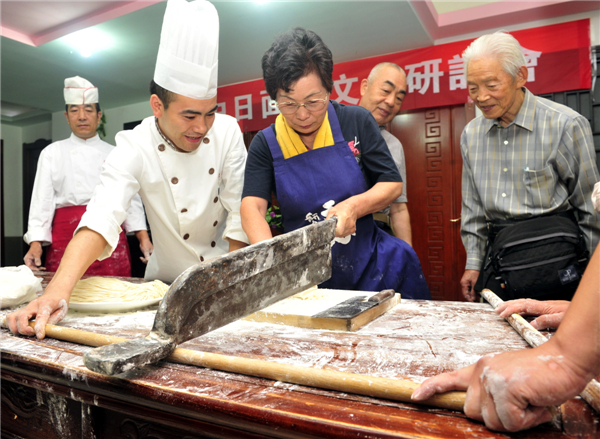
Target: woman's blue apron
[309,184]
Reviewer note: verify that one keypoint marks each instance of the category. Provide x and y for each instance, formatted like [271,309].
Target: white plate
[112,306]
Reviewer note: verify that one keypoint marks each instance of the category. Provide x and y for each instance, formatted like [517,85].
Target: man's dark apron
[66,220]
[308,184]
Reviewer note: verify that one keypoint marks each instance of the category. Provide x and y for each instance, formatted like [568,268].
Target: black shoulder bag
[541,258]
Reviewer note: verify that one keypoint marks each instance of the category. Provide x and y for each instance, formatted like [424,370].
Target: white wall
[116,117]
[12,182]
[32,133]
[12,174]
[60,126]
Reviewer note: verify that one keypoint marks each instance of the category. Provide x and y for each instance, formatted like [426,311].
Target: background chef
[67,174]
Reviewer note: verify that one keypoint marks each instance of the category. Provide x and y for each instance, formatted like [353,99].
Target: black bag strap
[495,227]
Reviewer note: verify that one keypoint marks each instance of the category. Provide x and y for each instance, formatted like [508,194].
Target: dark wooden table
[47,392]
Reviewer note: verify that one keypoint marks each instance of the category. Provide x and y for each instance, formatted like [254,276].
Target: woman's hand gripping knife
[350,210]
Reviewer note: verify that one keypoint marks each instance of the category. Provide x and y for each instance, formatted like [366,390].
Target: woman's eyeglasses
[312,105]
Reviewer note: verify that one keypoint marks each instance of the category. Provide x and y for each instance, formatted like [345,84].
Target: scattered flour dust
[312,301]
[558,359]
[60,313]
[135,320]
[312,293]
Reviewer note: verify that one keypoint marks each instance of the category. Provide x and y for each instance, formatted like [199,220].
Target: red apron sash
[66,220]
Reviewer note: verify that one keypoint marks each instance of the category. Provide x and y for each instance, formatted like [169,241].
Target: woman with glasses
[324,159]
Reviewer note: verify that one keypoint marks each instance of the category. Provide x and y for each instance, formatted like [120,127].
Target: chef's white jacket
[192,200]
[67,174]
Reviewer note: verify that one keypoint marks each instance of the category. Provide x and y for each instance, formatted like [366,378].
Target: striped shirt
[542,163]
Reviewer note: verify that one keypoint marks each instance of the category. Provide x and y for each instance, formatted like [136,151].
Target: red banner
[558,59]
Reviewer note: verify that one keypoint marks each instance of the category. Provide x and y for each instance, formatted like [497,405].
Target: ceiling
[35,58]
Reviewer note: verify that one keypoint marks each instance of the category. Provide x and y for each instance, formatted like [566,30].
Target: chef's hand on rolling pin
[511,391]
[48,309]
[346,215]
[33,258]
[467,284]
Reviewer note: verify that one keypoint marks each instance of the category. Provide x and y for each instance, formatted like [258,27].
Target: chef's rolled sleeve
[105,226]
[41,234]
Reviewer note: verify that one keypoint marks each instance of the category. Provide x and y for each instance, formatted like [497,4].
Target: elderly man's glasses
[312,105]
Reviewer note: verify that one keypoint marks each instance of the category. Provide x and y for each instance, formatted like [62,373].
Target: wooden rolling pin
[397,390]
[591,393]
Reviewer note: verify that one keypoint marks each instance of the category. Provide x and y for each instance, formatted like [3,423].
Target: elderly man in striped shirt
[527,157]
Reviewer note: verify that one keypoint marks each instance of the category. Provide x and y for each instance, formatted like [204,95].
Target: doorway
[431,141]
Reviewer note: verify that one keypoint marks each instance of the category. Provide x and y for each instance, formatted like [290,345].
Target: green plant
[101,130]
[275,218]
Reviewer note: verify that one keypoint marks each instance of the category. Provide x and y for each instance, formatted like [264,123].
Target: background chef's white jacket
[67,174]
[192,200]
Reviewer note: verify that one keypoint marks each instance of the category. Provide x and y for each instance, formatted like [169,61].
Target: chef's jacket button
[174,180]
[505,169]
[211,171]
[161,147]
[504,195]
[506,142]
[201,258]
[212,244]
[184,210]
[216,199]
[206,140]
[215,223]
[186,236]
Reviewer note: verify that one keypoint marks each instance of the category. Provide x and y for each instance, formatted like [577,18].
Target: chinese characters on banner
[557,56]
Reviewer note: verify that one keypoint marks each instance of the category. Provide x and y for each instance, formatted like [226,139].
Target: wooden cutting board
[300,310]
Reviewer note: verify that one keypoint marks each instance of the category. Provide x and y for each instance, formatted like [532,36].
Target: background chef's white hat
[189,46]
[80,91]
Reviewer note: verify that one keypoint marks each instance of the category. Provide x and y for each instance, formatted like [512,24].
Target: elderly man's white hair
[499,45]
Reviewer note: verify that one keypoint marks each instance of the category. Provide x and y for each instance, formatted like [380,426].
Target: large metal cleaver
[217,292]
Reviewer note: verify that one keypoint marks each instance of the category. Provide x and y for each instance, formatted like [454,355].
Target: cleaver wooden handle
[387,388]
[382,296]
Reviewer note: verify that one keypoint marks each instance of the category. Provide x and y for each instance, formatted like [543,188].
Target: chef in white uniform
[187,162]
[67,174]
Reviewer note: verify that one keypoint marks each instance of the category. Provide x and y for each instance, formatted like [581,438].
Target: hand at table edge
[510,391]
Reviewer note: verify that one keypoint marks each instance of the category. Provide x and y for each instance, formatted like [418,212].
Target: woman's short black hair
[165,96]
[294,55]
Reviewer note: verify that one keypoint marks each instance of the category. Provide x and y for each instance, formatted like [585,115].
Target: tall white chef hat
[189,46]
[80,91]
